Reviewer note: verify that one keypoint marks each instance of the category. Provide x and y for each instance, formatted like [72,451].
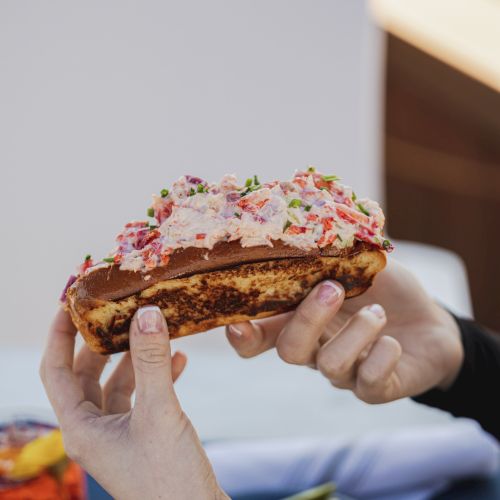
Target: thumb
[151,359]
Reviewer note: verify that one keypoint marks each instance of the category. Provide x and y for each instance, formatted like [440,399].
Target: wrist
[453,350]
[210,490]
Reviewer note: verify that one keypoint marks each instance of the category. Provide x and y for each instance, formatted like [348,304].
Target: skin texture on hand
[391,342]
[148,451]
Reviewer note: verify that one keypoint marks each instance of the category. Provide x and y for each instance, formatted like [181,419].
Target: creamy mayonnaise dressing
[310,211]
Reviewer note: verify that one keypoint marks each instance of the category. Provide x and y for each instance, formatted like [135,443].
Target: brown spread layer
[111,283]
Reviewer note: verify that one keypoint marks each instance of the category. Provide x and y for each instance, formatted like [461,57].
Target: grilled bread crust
[205,300]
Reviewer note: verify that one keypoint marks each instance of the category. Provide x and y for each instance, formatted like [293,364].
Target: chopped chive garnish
[164,193]
[201,188]
[311,169]
[287,225]
[354,197]
[324,188]
[236,214]
[386,244]
[153,226]
[307,208]
[88,257]
[338,236]
[192,192]
[330,178]
[251,185]
[295,203]
[108,259]
[362,209]
[151,212]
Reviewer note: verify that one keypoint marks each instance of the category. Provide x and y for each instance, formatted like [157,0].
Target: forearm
[474,389]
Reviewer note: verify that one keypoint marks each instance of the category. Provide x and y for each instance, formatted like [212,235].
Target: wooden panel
[442,156]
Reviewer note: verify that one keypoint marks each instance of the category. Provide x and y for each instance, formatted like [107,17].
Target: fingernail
[328,293]
[235,331]
[150,319]
[378,310]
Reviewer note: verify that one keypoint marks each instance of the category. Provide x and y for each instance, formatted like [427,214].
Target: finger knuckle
[369,377]
[341,384]
[333,367]
[246,354]
[153,354]
[291,354]
[306,317]
[370,397]
[84,374]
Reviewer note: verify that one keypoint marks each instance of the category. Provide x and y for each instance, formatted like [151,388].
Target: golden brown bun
[204,300]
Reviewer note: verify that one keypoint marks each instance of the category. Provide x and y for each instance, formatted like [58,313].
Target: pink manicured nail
[378,310]
[235,331]
[328,293]
[150,320]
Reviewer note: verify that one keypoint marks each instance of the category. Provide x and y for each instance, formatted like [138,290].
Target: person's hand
[148,451]
[391,342]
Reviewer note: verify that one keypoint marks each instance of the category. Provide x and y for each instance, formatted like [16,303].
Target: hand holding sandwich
[154,442]
[392,342]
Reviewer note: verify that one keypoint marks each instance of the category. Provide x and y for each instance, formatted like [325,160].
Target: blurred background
[103,103]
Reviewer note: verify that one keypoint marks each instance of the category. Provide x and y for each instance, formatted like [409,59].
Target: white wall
[104,102]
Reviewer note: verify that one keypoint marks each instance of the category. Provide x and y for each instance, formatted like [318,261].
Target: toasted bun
[102,305]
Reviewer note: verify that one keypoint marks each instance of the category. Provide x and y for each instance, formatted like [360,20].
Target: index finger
[299,339]
[252,338]
[56,368]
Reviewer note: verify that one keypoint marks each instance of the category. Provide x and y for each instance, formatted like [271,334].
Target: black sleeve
[475,392]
